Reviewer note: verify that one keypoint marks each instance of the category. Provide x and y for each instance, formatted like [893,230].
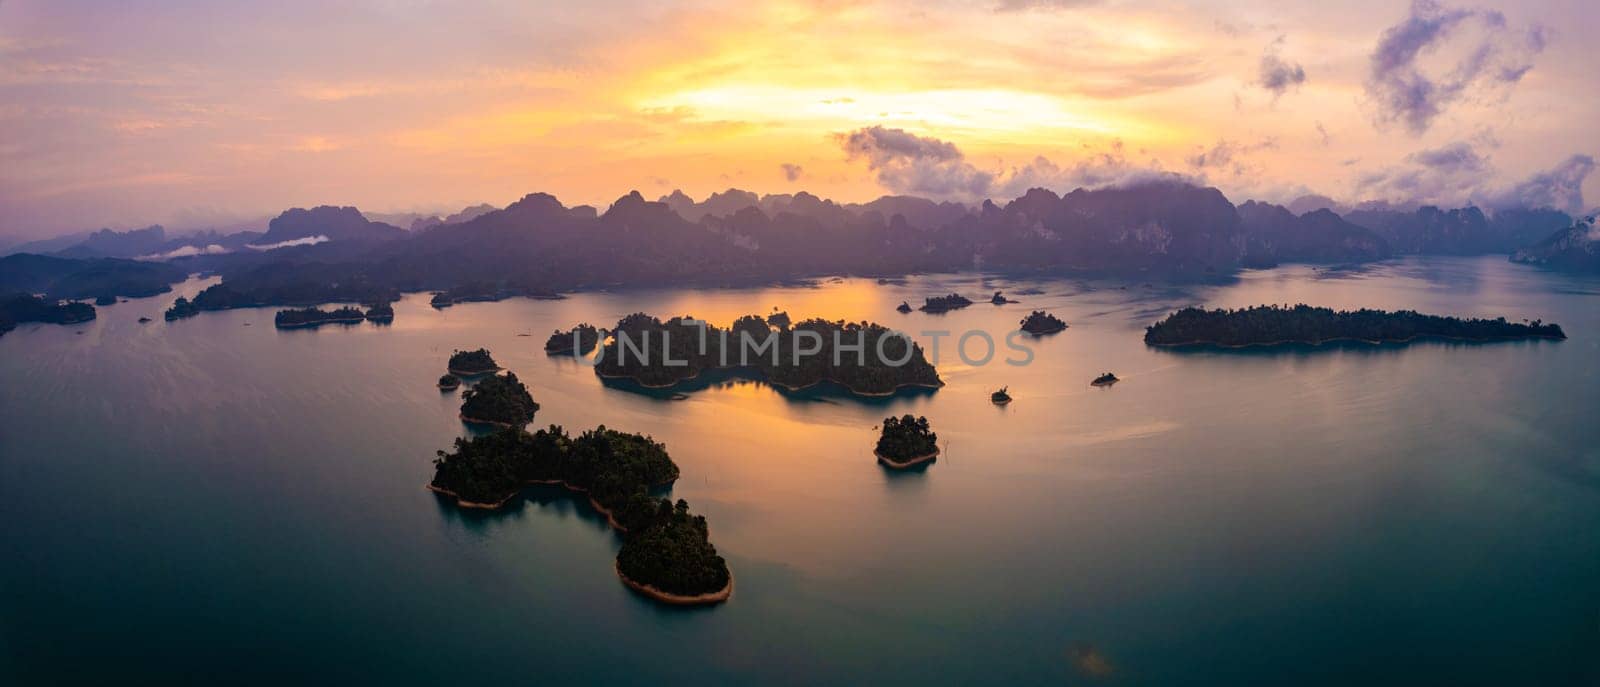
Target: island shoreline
[908,463]
[705,599]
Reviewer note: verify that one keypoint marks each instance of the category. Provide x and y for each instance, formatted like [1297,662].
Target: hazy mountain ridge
[537,245]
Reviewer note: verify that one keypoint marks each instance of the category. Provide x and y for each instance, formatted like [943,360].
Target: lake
[215,500]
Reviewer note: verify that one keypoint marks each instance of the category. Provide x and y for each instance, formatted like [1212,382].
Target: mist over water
[205,500]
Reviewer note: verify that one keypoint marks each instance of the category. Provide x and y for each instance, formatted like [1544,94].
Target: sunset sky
[195,112]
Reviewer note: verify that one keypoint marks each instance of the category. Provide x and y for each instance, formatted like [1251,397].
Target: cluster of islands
[666,552]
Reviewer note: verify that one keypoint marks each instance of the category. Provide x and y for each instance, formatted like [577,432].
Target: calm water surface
[214,499]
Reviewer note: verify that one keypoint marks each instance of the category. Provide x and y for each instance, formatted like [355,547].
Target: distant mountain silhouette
[85,278]
[538,246]
[1575,247]
[1273,234]
[336,223]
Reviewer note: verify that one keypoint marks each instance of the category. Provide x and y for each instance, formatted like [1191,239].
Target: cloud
[908,163]
[1227,155]
[792,171]
[912,164]
[1494,57]
[1277,74]
[1560,187]
[1454,175]
[1025,5]
[185,251]
[1451,159]
[302,241]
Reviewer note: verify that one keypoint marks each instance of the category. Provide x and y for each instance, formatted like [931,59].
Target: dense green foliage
[1272,324]
[586,336]
[780,320]
[665,547]
[613,467]
[180,309]
[381,312]
[23,307]
[1041,322]
[472,362]
[907,437]
[312,317]
[939,304]
[500,399]
[664,353]
[674,554]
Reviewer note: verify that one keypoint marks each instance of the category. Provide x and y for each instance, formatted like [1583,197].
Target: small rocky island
[579,340]
[906,442]
[181,308]
[1105,379]
[938,304]
[666,552]
[1000,298]
[1273,325]
[316,317]
[1040,322]
[1000,397]
[904,307]
[660,354]
[500,400]
[449,383]
[472,363]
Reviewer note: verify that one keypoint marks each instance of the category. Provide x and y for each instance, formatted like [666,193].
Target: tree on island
[586,336]
[674,554]
[470,363]
[1272,325]
[180,309]
[1041,322]
[311,317]
[500,400]
[665,549]
[938,304]
[907,439]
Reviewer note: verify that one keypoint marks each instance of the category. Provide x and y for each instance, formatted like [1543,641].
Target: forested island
[576,341]
[1271,325]
[180,309]
[1041,322]
[381,313]
[907,441]
[939,304]
[470,363]
[660,354]
[316,317]
[666,553]
[23,307]
[501,400]
[449,383]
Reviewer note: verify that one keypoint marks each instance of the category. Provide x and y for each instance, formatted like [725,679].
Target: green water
[208,501]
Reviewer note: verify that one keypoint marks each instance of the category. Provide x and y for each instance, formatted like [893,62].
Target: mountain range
[538,246]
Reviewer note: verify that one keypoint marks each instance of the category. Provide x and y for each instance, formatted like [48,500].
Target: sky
[193,113]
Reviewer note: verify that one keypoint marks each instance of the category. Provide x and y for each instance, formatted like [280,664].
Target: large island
[472,363]
[666,552]
[24,307]
[1272,325]
[865,358]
